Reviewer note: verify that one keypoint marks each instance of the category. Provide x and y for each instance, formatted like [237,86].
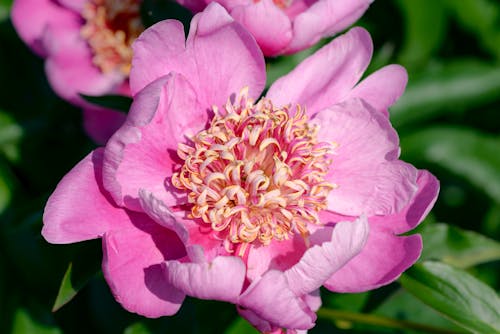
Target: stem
[370,319]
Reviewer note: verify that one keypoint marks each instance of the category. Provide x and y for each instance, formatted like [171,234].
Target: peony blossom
[87,49]
[209,192]
[289,26]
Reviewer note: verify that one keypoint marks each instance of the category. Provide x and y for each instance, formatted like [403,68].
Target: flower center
[110,29]
[256,173]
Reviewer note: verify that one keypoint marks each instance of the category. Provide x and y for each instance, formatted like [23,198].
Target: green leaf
[456,294]
[464,152]
[74,279]
[6,185]
[446,89]
[241,326]
[402,305]
[457,247]
[5,9]
[137,328]
[24,322]
[480,17]
[425,23]
[116,102]
[10,136]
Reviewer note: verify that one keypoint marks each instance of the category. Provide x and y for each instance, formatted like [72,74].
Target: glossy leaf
[74,279]
[472,155]
[457,247]
[425,23]
[446,89]
[456,294]
[24,322]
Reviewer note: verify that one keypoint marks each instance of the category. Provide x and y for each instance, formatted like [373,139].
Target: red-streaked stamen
[110,29]
[256,173]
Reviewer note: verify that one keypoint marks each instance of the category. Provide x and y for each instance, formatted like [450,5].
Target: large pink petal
[31,18]
[324,18]
[101,123]
[326,77]
[382,260]
[132,266]
[273,304]
[364,168]
[219,58]
[321,261]
[142,153]
[416,210]
[278,255]
[382,88]
[268,24]
[70,70]
[221,279]
[79,208]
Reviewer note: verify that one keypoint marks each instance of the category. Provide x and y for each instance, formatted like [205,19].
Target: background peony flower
[289,26]
[86,46]
[206,192]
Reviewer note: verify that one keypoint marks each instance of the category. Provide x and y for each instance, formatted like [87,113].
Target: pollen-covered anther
[257,173]
[110,28]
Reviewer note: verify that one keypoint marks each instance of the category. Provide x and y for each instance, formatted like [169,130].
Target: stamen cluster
[110,29]
[256,173]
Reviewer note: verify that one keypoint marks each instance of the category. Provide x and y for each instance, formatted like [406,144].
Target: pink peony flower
[87,47]
[207,192]
[289,26]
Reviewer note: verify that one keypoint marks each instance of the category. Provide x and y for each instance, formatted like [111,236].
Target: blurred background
[448,121]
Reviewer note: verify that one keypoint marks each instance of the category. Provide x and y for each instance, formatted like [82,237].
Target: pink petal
[382,88]
[189,230]
[219,57]
[76,5]
[324,18]
[277,255]
[321,261]
[268,24]
[141,153]
[416,210]
[132,266]
[32,17]
[221,279]
[79,209]
[69,67]
[364,168]
[382,260]
[101,123]
[193,5]
[272,303]
[327,76]
[313,300]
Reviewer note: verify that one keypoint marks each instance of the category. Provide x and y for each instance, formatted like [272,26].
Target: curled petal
[272,304]
[383,259]
[141,153]
[221,279]
[320,262]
